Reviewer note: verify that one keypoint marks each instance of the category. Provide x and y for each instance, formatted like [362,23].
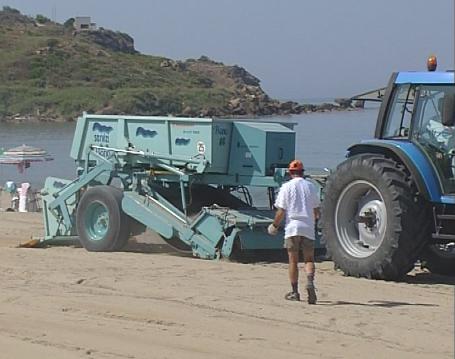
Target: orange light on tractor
[432,63]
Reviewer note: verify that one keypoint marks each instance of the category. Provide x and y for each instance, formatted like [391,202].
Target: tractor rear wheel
[373,224]
[100,221]
[439,258]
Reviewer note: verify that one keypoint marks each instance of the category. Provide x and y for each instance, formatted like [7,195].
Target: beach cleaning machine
[188,179]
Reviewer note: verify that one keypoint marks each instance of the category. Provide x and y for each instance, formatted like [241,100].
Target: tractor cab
[419,107]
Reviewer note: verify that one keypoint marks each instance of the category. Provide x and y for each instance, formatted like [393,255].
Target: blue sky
[299,49]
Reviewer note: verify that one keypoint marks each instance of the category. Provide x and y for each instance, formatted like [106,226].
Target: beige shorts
[297,243]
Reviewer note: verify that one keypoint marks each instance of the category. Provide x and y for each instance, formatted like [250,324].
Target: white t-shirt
[298,197]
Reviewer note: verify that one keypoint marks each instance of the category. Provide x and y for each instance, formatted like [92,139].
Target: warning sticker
[201,148]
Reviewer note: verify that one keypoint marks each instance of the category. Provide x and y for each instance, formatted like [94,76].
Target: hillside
[49,71]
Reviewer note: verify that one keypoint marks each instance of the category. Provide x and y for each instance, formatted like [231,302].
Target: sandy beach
[149,302]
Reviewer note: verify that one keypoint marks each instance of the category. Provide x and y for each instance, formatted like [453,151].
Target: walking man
[298,201]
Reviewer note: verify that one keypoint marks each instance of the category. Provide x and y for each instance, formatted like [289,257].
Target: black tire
[439,259]
[95,233]
[374,223]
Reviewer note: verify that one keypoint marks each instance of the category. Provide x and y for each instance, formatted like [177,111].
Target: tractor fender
[420,167]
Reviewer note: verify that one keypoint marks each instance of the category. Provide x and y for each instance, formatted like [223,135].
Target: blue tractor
[392,201]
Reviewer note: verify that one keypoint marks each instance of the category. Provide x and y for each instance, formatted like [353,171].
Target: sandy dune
[64,302]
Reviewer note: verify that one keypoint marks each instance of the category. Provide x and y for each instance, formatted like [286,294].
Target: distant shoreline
[282,109]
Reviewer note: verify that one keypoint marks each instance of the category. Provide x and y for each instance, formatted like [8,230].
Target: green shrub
[41,19]
[69,24]
[145,102]
[52,43]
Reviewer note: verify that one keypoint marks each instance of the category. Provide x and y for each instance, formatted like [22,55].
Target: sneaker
[312,298]
[292,296]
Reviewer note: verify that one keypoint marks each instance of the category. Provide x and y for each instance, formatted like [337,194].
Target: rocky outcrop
[250,99]
[344,102]
[115,41]
[240,75]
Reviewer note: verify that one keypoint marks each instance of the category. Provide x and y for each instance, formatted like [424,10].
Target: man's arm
[279,215]
[316,201]
[273,227]
[280,203]
[317,213]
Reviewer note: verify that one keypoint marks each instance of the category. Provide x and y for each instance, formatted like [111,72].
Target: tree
[41,19]
[69,24]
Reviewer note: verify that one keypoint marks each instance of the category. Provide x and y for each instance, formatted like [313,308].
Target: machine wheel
[373,223]
[439,258]
[100,221]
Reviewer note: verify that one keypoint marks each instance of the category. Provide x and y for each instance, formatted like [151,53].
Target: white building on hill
[83,23]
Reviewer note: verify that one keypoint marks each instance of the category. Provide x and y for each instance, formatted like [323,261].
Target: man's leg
[294,269]
[308,258]
[293,253]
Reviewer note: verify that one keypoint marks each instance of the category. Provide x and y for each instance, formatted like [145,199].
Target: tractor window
[428,124]
[400,114]
[437,140]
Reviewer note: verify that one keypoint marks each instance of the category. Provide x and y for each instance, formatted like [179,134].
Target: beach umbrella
[23,156]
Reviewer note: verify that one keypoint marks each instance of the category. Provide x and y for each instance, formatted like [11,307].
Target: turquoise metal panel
[79,135]
[191,138]
[119,130]
[148,136]
[91,130]
[210,227]
[159,219]
[268,126]
[228,244]
[280,149]
[201,246]
[221,140]
[257,146]
[247,150]
[53,224]
[147,213]
[259,239]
